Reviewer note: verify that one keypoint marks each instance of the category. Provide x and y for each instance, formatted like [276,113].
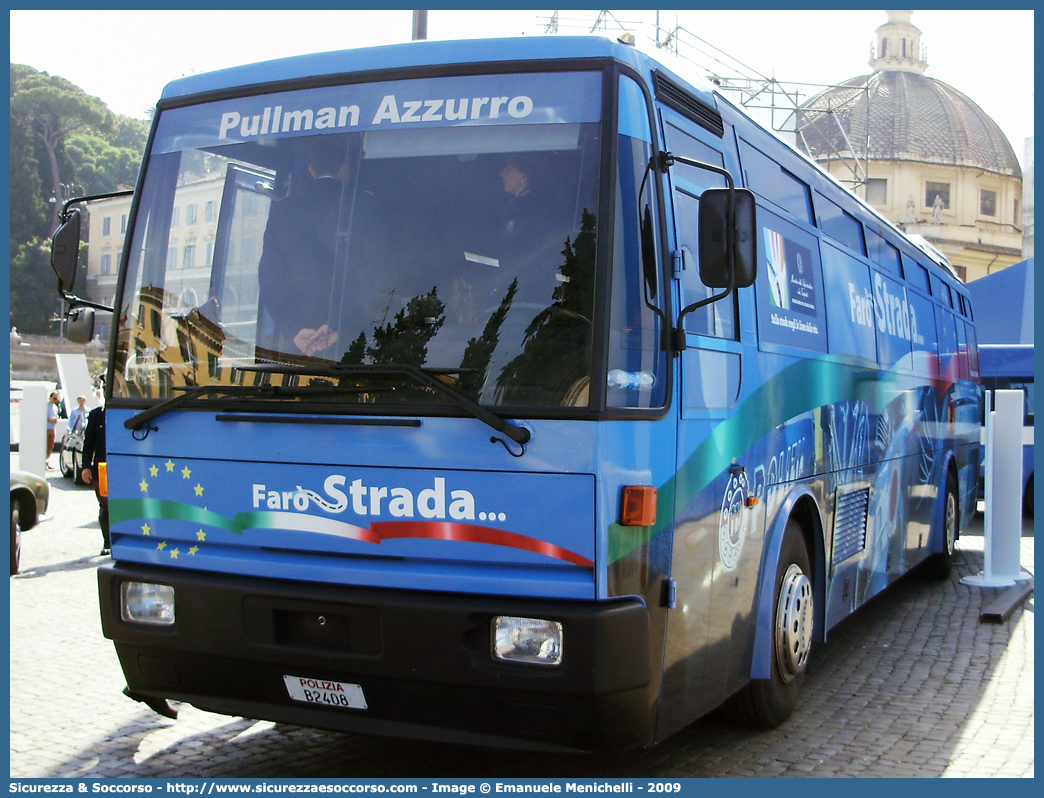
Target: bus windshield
[446,224]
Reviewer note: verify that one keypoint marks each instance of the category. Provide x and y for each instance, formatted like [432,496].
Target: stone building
[920,152]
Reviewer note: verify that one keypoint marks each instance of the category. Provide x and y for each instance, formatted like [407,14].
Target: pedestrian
[52,422]
[93,457]
[79,410]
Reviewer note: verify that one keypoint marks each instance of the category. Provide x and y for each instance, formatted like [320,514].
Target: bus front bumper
[422,661]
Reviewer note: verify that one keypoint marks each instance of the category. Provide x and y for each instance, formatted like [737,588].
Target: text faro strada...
[372,500]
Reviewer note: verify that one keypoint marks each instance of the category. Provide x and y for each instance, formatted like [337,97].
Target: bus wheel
[766,703]
[939,565]
[1027,500]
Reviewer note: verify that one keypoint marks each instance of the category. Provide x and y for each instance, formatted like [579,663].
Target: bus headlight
[531,640]
[147,602]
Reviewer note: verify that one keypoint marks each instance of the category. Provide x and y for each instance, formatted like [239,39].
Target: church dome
[899,114]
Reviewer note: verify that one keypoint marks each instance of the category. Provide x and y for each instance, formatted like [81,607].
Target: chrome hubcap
[950,522]
[794,623]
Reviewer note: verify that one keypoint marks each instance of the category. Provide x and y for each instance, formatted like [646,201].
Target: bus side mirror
[65,249]
[79,326]
[715,267]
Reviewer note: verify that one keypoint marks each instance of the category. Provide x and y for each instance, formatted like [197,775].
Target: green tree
[556,353]
[34,300]
[479,352]
[54,109]
[59,135]
[29,212]
[405,340]
[99,166]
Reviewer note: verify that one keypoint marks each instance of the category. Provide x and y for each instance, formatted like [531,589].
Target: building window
[107,226]
[933,190]
[877,191]
[190,213]
[123,224]
[106,264]
[172,253]
[189,256]
[210,254]
[208,214]
[1016,217]
[175,216]
[988,202]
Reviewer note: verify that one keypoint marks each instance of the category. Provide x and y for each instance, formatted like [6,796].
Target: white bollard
[32,430]
[1003,511]
[76,380]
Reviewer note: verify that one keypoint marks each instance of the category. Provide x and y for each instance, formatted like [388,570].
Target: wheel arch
[801,505]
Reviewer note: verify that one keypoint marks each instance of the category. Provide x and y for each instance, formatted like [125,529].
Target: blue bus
[515,392]
[1010,367]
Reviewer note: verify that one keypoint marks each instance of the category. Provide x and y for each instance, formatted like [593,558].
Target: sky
[126,57]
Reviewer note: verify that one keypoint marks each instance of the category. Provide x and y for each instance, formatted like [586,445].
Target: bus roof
[1006,360]
[415,55]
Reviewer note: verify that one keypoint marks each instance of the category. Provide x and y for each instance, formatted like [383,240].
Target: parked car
[29,496]
[71,457]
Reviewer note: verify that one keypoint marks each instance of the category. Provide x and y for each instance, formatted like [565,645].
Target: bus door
[707,541]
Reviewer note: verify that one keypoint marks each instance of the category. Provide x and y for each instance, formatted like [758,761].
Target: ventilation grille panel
[670,93]
[850,523]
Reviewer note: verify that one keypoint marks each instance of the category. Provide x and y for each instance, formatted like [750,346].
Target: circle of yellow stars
[146,530]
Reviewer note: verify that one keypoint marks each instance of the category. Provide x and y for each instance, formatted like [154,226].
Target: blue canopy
[1003,305]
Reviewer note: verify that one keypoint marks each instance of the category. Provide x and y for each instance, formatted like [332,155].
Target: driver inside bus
[302,266]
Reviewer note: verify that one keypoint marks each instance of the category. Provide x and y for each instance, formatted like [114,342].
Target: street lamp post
[420,25]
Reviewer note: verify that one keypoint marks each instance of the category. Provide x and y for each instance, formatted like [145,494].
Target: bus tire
[1027,500]
[939,565]
[766,703]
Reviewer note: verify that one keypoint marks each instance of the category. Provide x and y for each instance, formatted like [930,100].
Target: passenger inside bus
[312,238]
[300,252]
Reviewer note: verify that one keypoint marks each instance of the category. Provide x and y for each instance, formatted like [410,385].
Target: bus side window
[963,353]
[947,340]
[637,361]
[770,180]
[850,304]
[973,353]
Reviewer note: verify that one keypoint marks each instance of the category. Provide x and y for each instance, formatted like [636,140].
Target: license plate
[327,694]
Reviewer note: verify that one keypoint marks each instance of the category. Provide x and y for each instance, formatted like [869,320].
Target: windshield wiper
[271,391]
[424,376]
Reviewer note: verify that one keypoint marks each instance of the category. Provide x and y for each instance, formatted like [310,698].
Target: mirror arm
[679,331]
[76,302]
[73,300]
[667,160]
[64,215]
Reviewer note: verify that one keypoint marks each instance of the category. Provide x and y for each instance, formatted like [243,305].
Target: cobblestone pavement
[913,685]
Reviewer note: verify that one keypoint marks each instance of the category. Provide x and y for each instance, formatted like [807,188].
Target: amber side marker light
[638,505]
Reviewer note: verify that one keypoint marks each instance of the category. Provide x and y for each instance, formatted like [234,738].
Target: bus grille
[669,92]
[850,523]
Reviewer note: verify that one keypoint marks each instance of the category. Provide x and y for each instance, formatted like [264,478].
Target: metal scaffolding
[777,104]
